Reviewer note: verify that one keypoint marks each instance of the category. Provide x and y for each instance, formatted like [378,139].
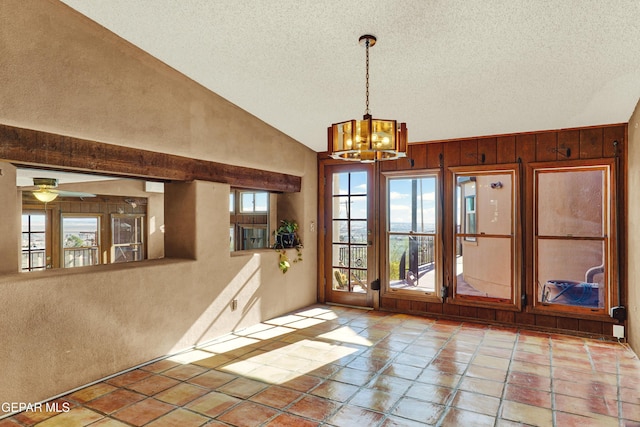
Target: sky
[399,197]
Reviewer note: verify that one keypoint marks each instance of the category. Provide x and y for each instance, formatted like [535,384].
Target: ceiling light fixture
[45,196]
[368,140]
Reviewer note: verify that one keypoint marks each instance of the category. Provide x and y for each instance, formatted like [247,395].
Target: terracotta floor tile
[459,417]
[30,418]
[153,384]
[181,394]
[631,411]
[314,407]
[376,400]
[109,422]
[91,392]
[430,393]
[115,401]
[179,418]
[530,368]
[144,411]
[213,404]
[439,378]
[539,359]
[353,376]
[497,352]
[128,378]
[393,421]
[276,397]
[478,385]
[402,371]
[302,383]
[418,410]
[288,420]
[527,395]
[335,390]
[369,364]
[583,389]
[475,402]
[630,395]
[335,366]
[212,379]
[564,419]
[530,380]
[446,366]
[390,384]
[527,414]
[325,371]
[486,373]
[75,417]
[418,361]
[491,362]
[160,366]
[349,416]
[184,372]
[248,414]
[212,362]
[242,388]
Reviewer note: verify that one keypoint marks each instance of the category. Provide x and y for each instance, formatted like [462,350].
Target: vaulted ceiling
[448,68]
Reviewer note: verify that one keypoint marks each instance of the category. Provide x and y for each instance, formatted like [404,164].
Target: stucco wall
[62,73]
[633,232]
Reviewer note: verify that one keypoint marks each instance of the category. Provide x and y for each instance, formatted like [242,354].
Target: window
[572,244]
[412,236]
[486,259]
[127,238]
[252,201]
[34,238]
[249,219]
[80,240]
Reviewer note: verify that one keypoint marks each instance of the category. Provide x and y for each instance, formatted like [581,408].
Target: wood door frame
[325,167]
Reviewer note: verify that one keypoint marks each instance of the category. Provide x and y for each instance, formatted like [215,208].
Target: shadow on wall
[69,328]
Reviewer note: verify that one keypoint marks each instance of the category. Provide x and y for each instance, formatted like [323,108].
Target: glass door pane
[349,237]
[485,236]
[411,233]
[349,231]
[571,240]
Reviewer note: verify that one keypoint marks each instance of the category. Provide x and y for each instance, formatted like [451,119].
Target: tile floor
[335,366]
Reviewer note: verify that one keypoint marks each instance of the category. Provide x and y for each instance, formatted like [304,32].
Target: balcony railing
[79,257]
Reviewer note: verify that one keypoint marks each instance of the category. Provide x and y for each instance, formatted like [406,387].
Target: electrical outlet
[234,304]
[312,226]
[618,331]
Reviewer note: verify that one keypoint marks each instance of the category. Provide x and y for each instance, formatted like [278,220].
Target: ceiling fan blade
[63,193]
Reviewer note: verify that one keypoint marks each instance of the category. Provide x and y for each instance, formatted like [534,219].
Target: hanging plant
[286,237]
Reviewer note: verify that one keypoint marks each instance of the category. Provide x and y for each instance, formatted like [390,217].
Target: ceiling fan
[47,192]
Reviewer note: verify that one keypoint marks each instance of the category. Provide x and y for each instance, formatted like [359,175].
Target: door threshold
[349,306]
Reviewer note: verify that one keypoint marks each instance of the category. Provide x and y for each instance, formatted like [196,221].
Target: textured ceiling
[448,68]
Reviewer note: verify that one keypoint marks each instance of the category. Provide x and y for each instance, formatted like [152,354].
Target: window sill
[410,295]
[571,312]
[251,252]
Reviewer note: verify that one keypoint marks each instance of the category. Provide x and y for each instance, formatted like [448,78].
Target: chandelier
[368,140]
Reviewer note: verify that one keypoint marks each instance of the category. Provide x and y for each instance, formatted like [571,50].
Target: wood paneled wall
[545,146]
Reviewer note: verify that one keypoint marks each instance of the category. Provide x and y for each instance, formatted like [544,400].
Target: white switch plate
[618,331]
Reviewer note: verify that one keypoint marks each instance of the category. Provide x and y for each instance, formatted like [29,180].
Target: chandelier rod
[367,112]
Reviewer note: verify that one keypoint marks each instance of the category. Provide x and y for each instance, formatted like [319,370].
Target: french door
[349,234]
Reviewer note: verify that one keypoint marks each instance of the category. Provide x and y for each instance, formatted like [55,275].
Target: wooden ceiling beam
[26,147]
